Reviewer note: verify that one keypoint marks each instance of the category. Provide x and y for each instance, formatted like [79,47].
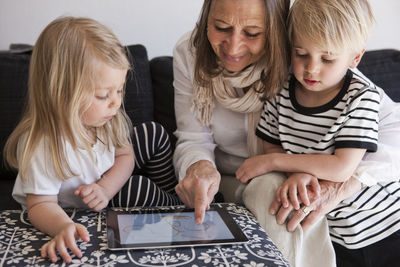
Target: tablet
[145,229]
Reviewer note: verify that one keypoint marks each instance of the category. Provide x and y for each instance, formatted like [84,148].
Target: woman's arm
[194,152]
[195,141]
[47,216]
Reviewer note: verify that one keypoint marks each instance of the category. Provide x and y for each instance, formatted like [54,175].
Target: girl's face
[236,32]
[107,97]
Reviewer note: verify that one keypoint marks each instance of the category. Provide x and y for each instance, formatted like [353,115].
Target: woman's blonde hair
[276,48]
[62,76]
[335,25]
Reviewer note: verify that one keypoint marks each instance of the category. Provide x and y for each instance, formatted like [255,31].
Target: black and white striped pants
[153,180]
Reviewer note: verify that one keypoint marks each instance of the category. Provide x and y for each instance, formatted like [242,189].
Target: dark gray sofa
[149,94]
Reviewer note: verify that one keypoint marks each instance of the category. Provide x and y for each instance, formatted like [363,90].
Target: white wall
[157,24]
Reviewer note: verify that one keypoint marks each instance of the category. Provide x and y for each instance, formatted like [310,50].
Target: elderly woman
[234,59]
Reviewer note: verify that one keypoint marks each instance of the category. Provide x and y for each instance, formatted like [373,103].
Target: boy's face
[107,98]
[316,69]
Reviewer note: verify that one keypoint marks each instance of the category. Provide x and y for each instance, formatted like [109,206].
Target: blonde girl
[72,147]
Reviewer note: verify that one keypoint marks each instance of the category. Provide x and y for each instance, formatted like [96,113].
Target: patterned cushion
[25,241]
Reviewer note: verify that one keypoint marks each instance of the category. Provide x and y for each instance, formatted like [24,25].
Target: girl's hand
[253,167]
[294,189]
[66,238]
[93,195]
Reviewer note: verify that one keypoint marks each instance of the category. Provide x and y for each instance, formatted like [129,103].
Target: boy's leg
[153,155]
[301,248]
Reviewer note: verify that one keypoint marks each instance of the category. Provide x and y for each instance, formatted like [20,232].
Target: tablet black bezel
[113,237]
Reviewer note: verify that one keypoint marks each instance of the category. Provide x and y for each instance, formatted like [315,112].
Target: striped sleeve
[360,128]
[267,128]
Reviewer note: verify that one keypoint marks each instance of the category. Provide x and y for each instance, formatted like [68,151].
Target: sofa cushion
[383,68]
[163,90]
[13,86]
[139,93]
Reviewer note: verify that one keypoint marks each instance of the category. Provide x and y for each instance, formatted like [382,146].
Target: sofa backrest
[150,93]
[163,90]
[383,68]
[13,86]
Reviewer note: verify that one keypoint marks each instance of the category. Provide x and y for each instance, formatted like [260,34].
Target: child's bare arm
[272,148]
[338,167]
[97,195]
[119,173]
[47,216]
[257,165]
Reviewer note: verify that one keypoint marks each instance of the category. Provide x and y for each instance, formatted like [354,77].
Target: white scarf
[223,87]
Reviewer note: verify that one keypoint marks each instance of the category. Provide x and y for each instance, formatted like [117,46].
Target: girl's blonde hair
[62,76]
[276,48]
[335,25]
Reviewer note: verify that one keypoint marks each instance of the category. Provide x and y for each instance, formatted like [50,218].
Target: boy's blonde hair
[62,77]
[335,25]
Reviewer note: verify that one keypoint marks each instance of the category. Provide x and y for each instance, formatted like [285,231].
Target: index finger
[71,244]
[200,204]
[296,219]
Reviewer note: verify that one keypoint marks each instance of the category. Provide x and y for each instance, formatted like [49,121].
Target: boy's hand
[93,195]
[294,189]
[66,238]
[252,167]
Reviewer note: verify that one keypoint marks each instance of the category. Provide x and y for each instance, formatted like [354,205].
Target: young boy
[321,124]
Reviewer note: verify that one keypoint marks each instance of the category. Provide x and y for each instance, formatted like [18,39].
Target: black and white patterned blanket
[20,244]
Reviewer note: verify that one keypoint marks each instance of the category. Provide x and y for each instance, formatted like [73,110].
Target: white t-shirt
[41,179]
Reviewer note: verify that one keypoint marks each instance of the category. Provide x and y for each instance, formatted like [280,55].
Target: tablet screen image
[170,228]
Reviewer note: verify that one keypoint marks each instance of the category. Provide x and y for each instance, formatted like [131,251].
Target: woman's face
[236,31]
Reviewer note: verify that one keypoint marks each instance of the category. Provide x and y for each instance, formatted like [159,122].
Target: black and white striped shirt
[350,120]
[370,215]
[367,217]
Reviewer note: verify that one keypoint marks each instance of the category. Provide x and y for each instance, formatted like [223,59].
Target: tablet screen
[170,228]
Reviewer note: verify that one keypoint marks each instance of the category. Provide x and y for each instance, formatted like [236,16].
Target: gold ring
[306,210]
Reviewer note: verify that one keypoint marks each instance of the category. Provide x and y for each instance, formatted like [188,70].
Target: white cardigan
[228,129]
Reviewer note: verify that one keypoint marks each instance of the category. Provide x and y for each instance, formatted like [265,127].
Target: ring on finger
[306,210]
